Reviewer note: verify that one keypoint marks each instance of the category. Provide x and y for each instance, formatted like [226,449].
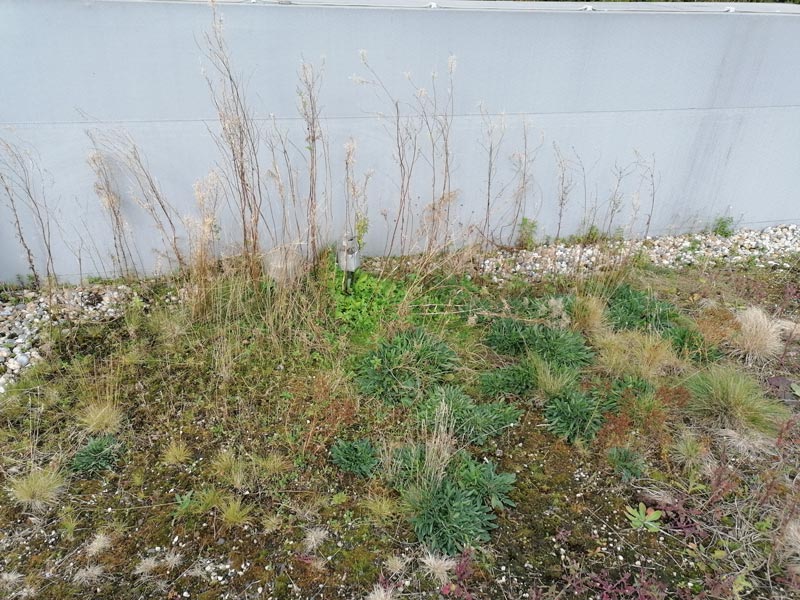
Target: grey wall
[713,97]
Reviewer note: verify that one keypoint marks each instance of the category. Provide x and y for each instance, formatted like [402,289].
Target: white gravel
[775,247]
[25,314]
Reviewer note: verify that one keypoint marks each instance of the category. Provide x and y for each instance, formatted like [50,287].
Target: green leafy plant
[626,462]
[573,415]
[401,369]
[629,308]
[357,456]
[560,347]
[473,423]
[483,479]
[723,227]
[371,300]
[642,517]
[447,518]
[526,238]
[99,454]
[184,505]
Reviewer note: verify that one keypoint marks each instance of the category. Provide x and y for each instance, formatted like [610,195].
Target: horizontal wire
[388,116]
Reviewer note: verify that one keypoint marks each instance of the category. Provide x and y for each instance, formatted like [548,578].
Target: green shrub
[482,478]
[626,462]
[401,369]
[629,308]
[725,397]
[473,423]
[357,456]
[447,518]
[560,347]
[99,454]
[573,415]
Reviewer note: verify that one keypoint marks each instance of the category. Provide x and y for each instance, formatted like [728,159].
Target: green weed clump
[558,346]
[482,478]
[98,455]
[401,369]
[626,462]
[447,518]
[629,308]
[512,381]
[690,344]
[472,423]
[725,397]
[357,456]
[574,415]
[371,300]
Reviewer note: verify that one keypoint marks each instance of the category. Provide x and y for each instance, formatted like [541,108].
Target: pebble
[24,313]
[770,247]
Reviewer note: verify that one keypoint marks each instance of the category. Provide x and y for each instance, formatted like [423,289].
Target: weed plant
[356,456]
[98,455]
[626,462]
[401,369]
[473,423]
[447,518]
[560,347]
[629,308]
[573,415]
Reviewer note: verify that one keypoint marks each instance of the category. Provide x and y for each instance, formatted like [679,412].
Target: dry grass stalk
[637,354]
[22,181]
[758,338]
[111,201]
[239,142]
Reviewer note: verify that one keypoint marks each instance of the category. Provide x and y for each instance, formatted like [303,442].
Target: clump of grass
[101,417]
[629,308]
[689,451]
[98,455]
[100,543]
[176,453]
[37,490]
[552,380]
[558,346]
[356,456]
[472,423]
[587,314]
[637,354]
[208,499]
[724,397]
[382,508]
[438,567]
[234,512]
[758,338]
[314,538]
[230,468]
[401,369]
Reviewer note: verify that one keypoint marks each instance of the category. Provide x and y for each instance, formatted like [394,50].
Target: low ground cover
[629,434]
